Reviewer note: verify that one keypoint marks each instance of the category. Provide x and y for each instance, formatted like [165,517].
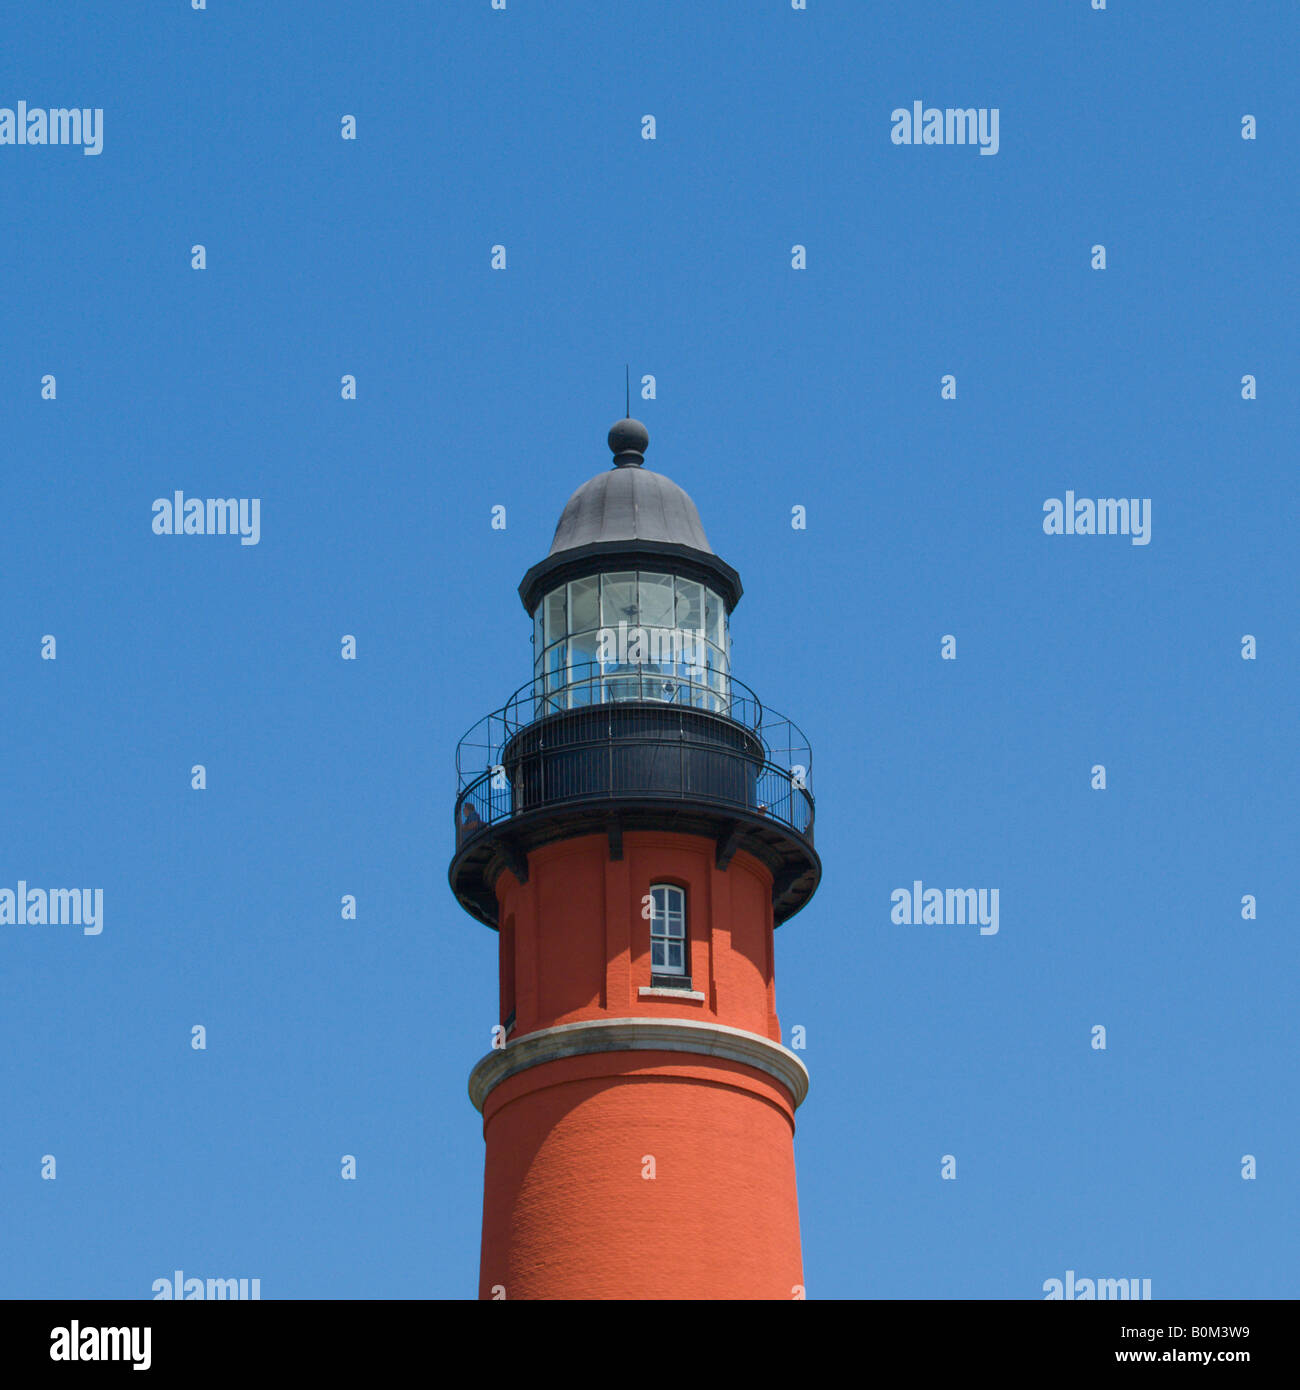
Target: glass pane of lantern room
[554,605]
[618,600]
[721,683]
[688,605]
[584,673]
[656,600]
[555,663]
[714,616]
[584,604]
[713,699]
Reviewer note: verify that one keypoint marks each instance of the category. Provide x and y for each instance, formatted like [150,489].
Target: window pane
[618,600]
[714,613]
[583,688]
[674,956]
[724,690]
[554,605]
[582,659]
[555,674]
[693,671]
[656,953]
[656,595]
[688,604]
[584,604]
[621,687]
[717,680]
[661,643]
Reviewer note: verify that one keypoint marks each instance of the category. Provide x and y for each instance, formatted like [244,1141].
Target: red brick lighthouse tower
[634,824]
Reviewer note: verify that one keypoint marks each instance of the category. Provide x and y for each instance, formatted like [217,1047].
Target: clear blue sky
[776,388]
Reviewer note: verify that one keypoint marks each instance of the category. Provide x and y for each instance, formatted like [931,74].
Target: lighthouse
[634,823]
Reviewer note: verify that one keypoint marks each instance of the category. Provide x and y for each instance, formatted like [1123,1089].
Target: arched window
[668,955]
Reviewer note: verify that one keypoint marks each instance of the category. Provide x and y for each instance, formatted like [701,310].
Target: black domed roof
[629,504]
[629,517]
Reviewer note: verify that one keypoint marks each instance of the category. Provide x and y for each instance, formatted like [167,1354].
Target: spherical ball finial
[627,441]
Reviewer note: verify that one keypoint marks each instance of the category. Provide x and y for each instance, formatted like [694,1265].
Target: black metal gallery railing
[643,752]
[595,684]
[764,789]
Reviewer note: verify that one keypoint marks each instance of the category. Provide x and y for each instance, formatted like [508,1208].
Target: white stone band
[639,1035]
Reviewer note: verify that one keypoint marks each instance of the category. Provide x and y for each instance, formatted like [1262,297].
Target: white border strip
[639,1035]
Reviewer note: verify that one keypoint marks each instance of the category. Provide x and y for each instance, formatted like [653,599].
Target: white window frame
[668,925]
